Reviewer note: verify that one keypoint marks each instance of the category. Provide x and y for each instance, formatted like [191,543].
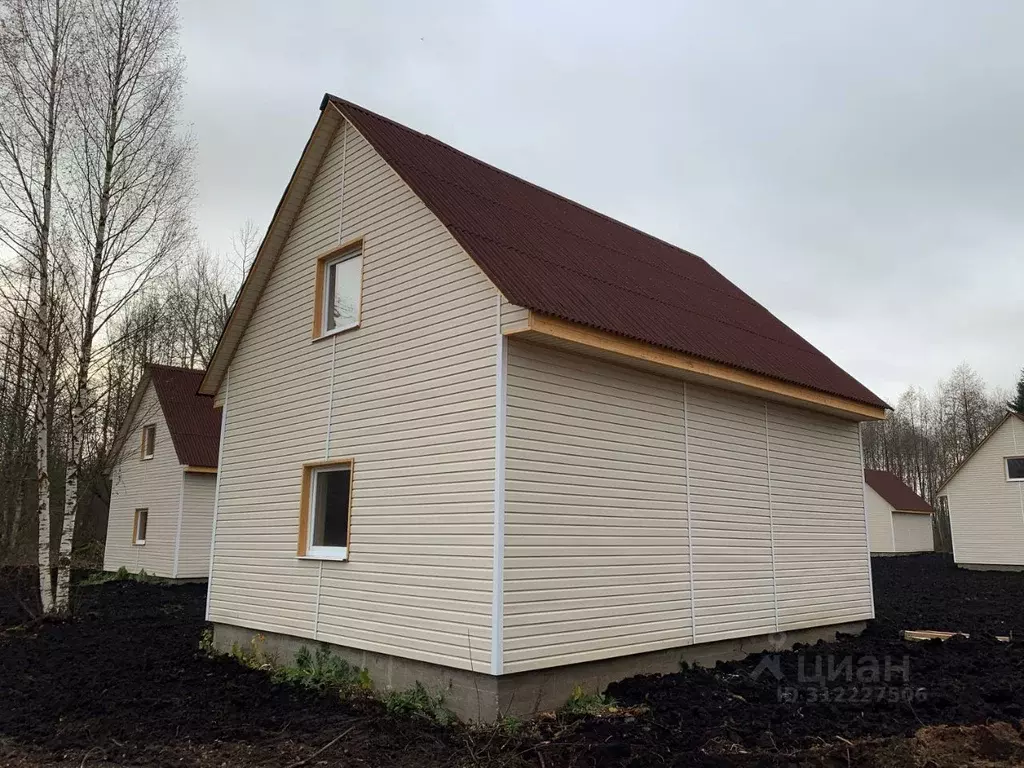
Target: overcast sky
[857,167]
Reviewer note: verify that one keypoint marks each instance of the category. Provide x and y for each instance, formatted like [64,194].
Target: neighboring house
[476,432]
[899,521]
[985,500]
[163,484]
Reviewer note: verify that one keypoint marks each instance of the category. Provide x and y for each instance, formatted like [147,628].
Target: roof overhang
[563,334]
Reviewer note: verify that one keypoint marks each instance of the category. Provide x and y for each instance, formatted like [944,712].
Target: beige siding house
[162,486]
[985,498]
[899,521]
[479,436]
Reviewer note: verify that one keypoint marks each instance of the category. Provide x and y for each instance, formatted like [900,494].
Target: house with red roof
[984,496]
[164,480]
[899,521]
[482,437]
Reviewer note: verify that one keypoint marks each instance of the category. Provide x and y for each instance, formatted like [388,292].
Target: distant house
[899,521]
[163,484]
[481,437]
[985,499]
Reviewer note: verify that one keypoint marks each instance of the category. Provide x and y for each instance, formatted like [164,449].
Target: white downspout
[498,535]
[867,535]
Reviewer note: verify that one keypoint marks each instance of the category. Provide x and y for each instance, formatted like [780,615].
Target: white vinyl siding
[409,396]
[821,548]
[880,527]
[153,484]
[595,511]
[597,560]
[986,512]
[196,525]
[913,532]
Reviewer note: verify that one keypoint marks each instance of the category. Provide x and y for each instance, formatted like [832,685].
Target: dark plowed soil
[125,684]
[929,592]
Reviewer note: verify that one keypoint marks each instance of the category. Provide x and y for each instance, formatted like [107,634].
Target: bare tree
[129,187]
[35,41]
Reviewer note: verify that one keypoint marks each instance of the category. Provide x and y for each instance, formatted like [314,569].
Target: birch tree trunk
[129,195]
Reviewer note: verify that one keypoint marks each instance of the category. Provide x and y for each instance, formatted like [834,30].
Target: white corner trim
[177,531]
[867,530]
[771,512]
[689,511]
[216,486]
[498,536]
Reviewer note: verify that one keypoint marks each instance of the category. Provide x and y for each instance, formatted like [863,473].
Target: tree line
[100,270]
[928,434]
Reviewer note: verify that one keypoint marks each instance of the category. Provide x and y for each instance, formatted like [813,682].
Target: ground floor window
[139,528]
[326,508]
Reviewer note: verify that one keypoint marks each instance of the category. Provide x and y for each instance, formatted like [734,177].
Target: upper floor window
[148,440]
[340,283]
[1015,468]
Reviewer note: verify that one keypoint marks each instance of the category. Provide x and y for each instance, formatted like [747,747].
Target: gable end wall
[410,396]
[154,484]
[986,513]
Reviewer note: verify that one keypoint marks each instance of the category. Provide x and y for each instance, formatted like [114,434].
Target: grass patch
[581,703]
[419,701]
[122,574]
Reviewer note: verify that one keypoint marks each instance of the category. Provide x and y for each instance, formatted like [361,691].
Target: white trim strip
[771,512]
[867,534]
[216,487]
[181,515]
[689,510]
[498,557]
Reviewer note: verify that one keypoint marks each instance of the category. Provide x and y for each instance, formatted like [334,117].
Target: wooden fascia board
[200,470]
[273,241]
[688,366]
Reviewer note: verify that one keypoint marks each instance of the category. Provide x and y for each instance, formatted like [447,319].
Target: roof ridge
[743,296]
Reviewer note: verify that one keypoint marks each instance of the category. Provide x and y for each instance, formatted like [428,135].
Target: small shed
[164,480]
[985,499]
[899,521]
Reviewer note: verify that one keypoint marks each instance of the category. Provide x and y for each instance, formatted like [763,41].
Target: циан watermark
[834,678]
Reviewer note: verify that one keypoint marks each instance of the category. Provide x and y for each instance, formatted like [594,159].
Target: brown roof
[557,257]
[895,491]
[192,420]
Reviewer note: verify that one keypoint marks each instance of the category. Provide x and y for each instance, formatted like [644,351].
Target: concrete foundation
[484,697]
[988,567]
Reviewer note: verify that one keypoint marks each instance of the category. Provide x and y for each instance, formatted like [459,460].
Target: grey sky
[857,167]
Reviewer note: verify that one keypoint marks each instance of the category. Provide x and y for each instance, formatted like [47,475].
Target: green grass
[581,703]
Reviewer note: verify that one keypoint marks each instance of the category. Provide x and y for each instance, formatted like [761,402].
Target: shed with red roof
[483,437]
[899,521]
[164,481]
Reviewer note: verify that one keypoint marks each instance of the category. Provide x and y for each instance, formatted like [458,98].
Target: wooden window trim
[142,445]
[309,470]
[135,526]
[349,246]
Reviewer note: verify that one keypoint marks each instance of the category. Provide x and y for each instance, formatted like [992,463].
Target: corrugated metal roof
[557,257]
[895,491]
[192,420]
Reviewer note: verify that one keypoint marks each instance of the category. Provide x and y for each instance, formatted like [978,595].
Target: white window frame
[152,446]
[348,255]
[1006,469]
[136,541]
[318,552]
